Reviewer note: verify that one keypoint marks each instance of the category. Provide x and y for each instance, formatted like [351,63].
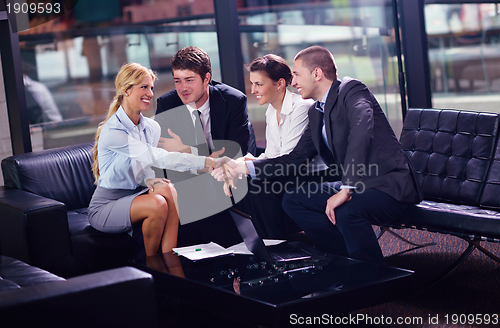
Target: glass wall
[77,56]
[358,33]
[5,143]
[464,55]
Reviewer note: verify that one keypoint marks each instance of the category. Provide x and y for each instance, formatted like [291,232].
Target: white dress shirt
[282,137]
[127,152]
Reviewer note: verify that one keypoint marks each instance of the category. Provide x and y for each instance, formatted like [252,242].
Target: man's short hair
[317,56]
[193,59]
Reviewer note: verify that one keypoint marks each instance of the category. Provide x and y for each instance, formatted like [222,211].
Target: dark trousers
[263,203]
[353,235]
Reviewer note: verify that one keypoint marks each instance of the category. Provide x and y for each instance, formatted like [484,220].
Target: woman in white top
[286,121]
[287,112]
[125,149]
[286,115]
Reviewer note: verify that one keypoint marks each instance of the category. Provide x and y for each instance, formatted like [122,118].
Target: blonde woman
[125,149]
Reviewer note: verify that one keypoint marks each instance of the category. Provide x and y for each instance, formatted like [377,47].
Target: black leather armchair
[32,297]
[44,221]
[456,156]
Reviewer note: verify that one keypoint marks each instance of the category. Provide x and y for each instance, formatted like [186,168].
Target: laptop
[282,253]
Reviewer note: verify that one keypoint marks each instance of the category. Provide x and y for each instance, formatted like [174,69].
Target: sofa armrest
[34,229]
[123,297]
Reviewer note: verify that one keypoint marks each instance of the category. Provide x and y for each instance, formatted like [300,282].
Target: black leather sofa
[456,156]
[44,214]
[32,297]
[44,219]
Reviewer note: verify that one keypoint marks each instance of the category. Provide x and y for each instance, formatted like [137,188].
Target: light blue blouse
[127,152]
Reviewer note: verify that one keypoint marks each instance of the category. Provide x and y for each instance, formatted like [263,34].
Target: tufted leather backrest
[63,174]
[451,151]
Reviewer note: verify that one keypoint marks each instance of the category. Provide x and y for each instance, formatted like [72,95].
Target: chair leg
[416,246]
[485,251]
[472,246]
[381,232]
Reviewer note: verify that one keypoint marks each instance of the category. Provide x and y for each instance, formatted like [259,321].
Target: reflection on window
[77,56]
[359,37]
[464,55]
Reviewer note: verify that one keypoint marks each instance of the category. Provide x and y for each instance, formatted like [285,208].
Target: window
[464,55]
[75,57]
[358,33]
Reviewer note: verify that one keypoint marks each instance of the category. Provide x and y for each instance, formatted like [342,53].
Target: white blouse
[127,152]
[282,137]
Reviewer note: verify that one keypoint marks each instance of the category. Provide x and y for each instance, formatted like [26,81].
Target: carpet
[468,297]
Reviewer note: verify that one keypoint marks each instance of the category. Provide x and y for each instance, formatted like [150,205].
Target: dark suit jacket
[201,195]
[228,116]
[365,151]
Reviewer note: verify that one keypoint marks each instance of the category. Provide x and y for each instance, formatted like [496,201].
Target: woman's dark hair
[274,66]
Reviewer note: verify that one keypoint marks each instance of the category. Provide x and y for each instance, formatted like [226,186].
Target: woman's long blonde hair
[129,75]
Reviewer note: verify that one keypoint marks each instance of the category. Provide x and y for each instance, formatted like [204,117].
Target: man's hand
[227,187]
[214,163]
[230,170]
[173,144]
[218,162]
[216,154]
[344,195]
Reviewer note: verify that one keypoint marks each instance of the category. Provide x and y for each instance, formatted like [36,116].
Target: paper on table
[241,248]
[271,242]
[202,251]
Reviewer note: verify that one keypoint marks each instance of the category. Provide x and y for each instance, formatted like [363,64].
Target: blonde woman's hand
[150,183]
[230,170]
[214,163]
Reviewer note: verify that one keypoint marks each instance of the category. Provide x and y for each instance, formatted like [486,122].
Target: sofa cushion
[16,274]
[64,174]
[97,250]
[454,219]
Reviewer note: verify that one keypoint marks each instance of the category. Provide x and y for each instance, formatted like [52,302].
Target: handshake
[226,169]
[222,168]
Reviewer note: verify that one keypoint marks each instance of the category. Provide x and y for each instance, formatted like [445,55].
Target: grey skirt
[109,209]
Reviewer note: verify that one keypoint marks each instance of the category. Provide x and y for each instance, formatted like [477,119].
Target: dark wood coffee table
[249,290]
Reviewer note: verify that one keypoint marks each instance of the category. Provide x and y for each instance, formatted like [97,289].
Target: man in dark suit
[222,109]
[349,130]
[203,117]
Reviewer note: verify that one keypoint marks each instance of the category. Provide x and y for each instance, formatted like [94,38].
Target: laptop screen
[249,234]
